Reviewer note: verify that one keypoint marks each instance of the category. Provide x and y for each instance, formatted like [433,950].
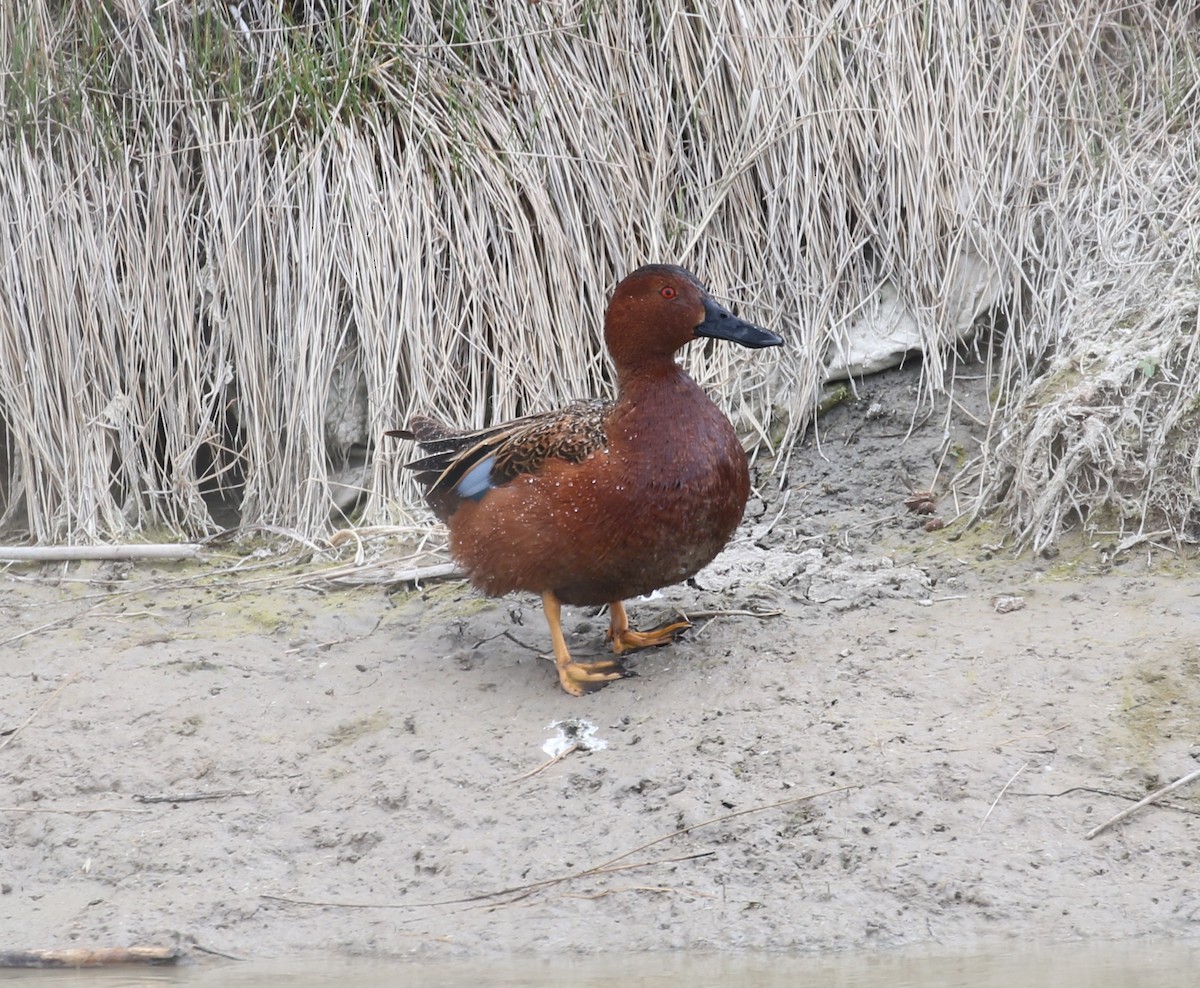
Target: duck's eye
[667,291]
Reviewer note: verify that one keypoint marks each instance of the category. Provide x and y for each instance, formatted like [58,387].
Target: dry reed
[237,242]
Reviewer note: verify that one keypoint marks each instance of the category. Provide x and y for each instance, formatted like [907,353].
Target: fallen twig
[635,888]
[194,797]
[759,535]
[78,553]
[355,574]
[699,615]
[91,956]
[45,703]
[1104,792]
[79,812]
[1130,810]
[518,891]
[1032,737]
[605,868]
[41,627]
[215,953]
[546,764]
[729,816]
[1011,780]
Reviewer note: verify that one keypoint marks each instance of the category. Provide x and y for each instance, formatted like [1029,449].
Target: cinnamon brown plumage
[600,501]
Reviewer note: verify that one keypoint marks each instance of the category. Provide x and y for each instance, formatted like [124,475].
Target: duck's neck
[648,378]
[660,400]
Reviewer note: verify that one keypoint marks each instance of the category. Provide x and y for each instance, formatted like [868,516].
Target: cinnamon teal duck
[601,501]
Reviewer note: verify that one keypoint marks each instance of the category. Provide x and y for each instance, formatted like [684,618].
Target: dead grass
[237,247]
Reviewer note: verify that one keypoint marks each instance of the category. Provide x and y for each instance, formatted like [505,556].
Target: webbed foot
[624,639]
[578,678]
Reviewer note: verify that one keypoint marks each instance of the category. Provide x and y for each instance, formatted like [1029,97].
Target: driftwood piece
[75,553]
[1153,797]
[91,956]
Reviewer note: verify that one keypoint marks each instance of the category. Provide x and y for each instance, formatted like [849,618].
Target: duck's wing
[461,465]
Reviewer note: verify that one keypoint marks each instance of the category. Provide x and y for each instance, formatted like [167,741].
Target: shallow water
[1163,964]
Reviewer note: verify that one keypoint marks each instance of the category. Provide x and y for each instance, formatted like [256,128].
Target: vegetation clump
[241,240]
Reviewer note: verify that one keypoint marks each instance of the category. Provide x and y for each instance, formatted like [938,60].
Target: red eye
[667,291]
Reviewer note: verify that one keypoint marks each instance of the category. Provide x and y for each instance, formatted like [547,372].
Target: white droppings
[573,732]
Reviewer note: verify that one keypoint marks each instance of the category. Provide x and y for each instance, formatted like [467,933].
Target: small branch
[545,765]
[91,957]
[195,797]
[724,817]
[434,571]
[608,867]
[45,703]
[374,574]
[1001,793]
[1154,796]
[41,627]
[700,615]
[79,812]
[636,888]
[518,891]
[1104,792]
[215,953]
[413,574]
[77,553]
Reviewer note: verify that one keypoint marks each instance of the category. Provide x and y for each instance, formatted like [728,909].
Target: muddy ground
[889,760]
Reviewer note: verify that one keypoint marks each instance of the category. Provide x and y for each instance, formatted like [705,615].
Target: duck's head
[660,308]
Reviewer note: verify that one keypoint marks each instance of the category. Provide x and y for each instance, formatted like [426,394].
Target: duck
[601,500]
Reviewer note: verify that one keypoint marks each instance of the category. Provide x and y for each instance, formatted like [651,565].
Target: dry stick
[729,816]
[634,888]
[716,614]
[609,866]
[355,574]
[90,957]
[1001,793]
[1129,811]
[42,627]
[215,953]
[45,703]
[524,893]
[1103,792]
[414,574]
[75,553]
[79,812]
[606,868]
[775,521]
[194,797]
[545,765]
[1033,737]
[517,891]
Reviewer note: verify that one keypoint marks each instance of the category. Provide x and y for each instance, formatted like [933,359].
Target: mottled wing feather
[571,433]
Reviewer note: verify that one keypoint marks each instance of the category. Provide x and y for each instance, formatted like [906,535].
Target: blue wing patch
[477,481]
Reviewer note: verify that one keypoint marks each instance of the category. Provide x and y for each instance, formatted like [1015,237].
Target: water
[1162,964]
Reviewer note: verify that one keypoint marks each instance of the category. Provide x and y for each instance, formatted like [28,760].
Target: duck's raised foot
[631,641]
[623,639]
[578,678]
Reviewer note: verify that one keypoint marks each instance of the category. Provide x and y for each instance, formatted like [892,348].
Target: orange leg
[623,640]
[577,678]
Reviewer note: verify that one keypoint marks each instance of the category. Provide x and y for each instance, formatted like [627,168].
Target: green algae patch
[1156,698]
[196,665]
[353,730]
[440,603]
